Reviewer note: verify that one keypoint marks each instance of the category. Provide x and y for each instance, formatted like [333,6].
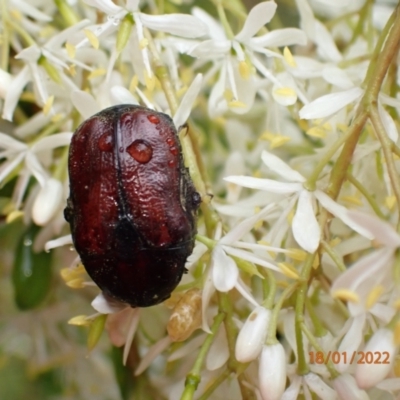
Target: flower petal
[347,389]
[219,351]
[53,141]
[329,104]
[47,202]
[84,103]
[215,29]
[9,143]
[265,184]
[176,24]
[371,265]
[379,230]
[388,123]
[305,227]
[245,226]
[337,77]
[352,339]
[107,6]
[281,38]
[342,213]
[319,387]
[151,354]
[210,49]
[121,95]
[107,305]
[258,16]
[14,92]
[281,168]
[224,270]
[186,104]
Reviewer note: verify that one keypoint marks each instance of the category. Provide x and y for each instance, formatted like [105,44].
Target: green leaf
[31,274]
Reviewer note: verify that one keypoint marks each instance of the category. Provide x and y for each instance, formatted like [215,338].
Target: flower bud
[252,335]
[47,202]
[272,372]
[368,372]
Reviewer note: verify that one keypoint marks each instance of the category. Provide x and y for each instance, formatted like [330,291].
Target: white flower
[235,88]
[52,54]
[329,104]
[272,372]
[47,201]
[305,226]
[175,24]
[252,335]
[369,373]
[310,382]
[15,152]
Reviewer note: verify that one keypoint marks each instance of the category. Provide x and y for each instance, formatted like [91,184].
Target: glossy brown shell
[132,203]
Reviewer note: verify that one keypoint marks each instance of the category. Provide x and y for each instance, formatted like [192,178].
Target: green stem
[335,257]
[386,144]
[302,366]
[329,365]
[194,377]
[224,20]
[357,184]
[271,336]
[320,330]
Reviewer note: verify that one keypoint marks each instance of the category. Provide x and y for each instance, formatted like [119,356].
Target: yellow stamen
[346,295]
[390,201]
[317,132]
[297,254]
[57,117]
[334,242]
[71,50]
[287,55]
[278,141]
[143,43]
[79,320]
[97,72]
[13,215]
[285,92]
[133,84]
[288,270]
[48,105]
[68,274]
[181,91]
[244,70]
[353,200]
[236,104]
[228,95]
[373,296]
[290,217]
[77,283]
[150,81]
[93,39]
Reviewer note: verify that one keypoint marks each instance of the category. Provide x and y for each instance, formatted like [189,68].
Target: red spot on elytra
[105,142]
[140,150]
[153,119]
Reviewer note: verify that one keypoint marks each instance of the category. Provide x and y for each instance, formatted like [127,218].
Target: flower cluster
[288,113]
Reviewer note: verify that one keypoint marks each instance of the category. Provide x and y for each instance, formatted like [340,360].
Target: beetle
[132,204]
